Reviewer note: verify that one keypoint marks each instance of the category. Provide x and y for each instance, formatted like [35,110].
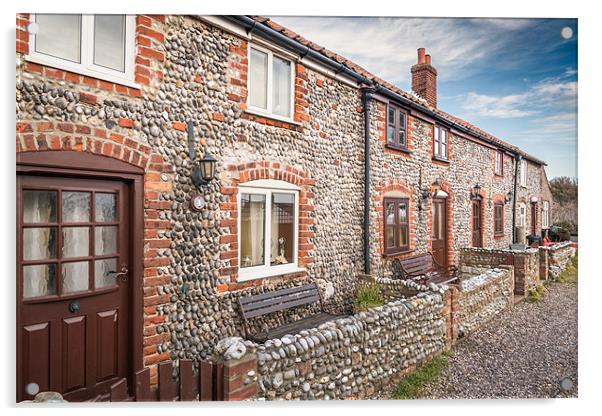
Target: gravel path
[522,353]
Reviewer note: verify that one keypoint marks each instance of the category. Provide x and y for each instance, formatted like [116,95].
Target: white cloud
[387,46]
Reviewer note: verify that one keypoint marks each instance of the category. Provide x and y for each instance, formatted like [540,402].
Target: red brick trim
[381,191]
[149,59]
[238,62]
[444,186]
[229,240]
[32,136]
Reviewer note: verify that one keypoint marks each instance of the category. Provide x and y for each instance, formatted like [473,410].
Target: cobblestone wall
[482,296]
[354,356]
[556,258]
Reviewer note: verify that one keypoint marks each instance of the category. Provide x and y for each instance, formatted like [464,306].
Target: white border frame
[87,66]
[268,112]
[267,187]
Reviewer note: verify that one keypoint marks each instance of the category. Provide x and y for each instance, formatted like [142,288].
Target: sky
[514,78]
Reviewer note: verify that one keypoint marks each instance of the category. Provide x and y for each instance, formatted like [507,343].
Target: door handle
[123,274]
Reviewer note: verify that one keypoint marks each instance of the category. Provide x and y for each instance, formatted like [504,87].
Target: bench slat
[281,306]
[267,295]
[249,307]
[306,323]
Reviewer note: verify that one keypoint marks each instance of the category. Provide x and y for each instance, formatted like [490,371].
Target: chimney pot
[421,52]
[428,59]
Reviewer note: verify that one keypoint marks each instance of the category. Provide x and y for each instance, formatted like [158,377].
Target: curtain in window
[252,230]
[281,87]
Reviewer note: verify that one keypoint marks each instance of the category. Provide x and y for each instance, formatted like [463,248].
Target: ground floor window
[498,219]
[268,228]
[522,215]
[396,222]
[545,215]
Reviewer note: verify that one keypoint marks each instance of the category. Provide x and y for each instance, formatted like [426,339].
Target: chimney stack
[424,78]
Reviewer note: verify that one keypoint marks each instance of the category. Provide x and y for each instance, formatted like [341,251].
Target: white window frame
[522,214]
[499,163]
[267,187]
[444,133]
[545,215]
[268,112]
[87,66]
[523,173]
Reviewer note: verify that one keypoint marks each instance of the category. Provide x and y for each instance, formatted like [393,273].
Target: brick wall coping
[498,250]
[557,246]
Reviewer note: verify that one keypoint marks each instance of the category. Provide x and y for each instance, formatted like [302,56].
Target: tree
[564,189]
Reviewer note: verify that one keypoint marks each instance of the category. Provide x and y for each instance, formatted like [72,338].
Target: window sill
[244,276]
[498,175]
[78,69]
[441,160]
[498,236]
[271,116]
[398,148]
[398,253]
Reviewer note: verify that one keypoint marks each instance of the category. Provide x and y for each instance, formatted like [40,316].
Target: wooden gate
[206,385]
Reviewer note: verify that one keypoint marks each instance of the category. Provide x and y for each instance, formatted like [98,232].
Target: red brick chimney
[424,78]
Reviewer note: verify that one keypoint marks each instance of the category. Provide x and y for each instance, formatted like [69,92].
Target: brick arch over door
[392,188]
[246,172]
[445,187]
[88,147]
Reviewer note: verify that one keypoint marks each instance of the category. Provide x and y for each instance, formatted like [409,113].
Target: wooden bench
[280,300]
[425,269]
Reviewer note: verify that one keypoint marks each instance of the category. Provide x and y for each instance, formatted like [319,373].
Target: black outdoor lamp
[203,171]
[508,197]
[476,191]
[424,196]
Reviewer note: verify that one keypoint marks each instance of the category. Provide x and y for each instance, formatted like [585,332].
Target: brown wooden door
[533,219]
[477,224]
[72,306]
[439,230]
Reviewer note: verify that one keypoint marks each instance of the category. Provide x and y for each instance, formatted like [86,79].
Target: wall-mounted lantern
[425,194]
[475,193]
[203,171]
[534,199]
[508,197]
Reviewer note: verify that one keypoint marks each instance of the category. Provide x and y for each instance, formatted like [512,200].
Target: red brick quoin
[33,136]
[229,241]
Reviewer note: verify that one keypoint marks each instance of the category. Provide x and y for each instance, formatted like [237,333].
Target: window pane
[258,80]
[390,213]
[390,236]
[39,280]
[75,277]
[436,151]
[402,120]
[281,87]
[391,134]
[391,119]
[39,206]
[76,207]
[76,241]
[106,207]
[282,240]
[444,150]
[106,240]
[403,235]
[402,213]
[402,137]
[39,243]
[102,277]
[109,41]
[59,36]
[252,229]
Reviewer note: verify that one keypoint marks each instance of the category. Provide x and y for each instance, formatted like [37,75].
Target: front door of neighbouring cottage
[73,285]
[439,230]
[477,223]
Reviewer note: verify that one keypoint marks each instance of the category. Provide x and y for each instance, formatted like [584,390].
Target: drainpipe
[517,159]
[366,96]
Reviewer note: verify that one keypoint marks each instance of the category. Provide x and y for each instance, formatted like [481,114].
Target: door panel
[477,224]
[439,230]
[72,240]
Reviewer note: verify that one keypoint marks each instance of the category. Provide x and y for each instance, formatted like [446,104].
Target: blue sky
[514,78]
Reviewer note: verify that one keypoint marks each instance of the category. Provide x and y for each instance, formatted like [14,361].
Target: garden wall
[352,356]
[554,259]
[526,264]
[482,296]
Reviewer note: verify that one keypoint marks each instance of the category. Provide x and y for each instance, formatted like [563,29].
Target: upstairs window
[545,215]
[522,215]
[100,46]
[499,163]
[397,120]
[396,213]
[498,219]
[440,143]
[270,83]
[268,228]
[523,173]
